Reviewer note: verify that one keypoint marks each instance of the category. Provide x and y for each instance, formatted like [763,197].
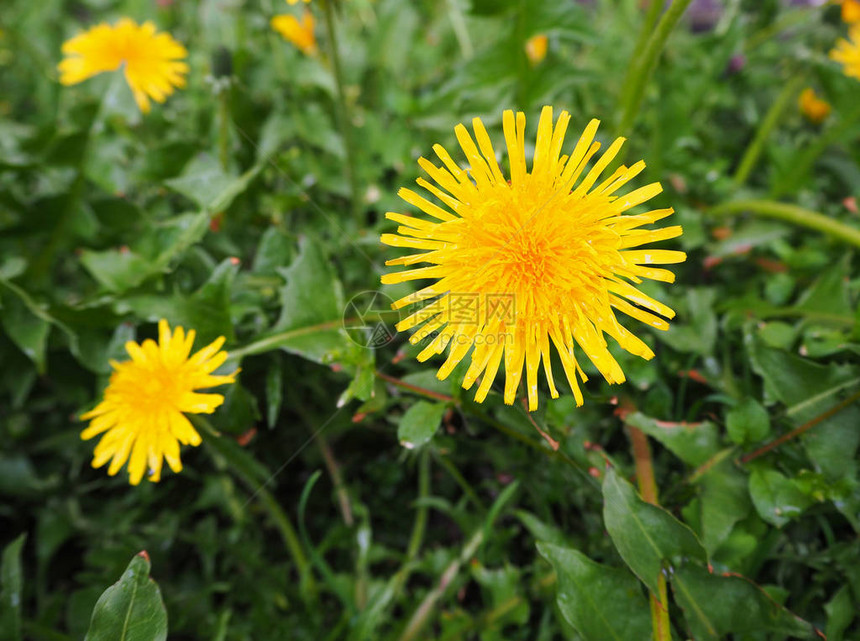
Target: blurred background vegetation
[250,205]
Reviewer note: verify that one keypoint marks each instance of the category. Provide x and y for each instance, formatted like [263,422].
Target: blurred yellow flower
[151,60]
[850,11]
[142,410]
[297,1]
[546,256]
[536,48]
[301,34]
[814,108]
[847,52]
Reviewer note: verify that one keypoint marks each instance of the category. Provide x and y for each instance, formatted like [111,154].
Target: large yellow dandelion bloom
[142,411]
[812,107]
[151,60]
[847,52]
[301,34]
[546,257]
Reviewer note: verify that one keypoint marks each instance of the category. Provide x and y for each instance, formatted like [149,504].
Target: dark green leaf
[747,422]
[776,498]
[11,590]
[646,536]
[602,603]
[716,606]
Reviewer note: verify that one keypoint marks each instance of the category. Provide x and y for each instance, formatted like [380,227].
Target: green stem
[279,517]
[651,17]
[420,526]
[224,127]
[791,214]
[785,98]
[343,110]
[640,73]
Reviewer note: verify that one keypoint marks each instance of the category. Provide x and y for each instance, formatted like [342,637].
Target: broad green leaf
[829,293]
[27,328]
[693,443]
[206,183]
[646,536]
[840,613]
[808,390]
[716,606]
[419,423]
[776,498]
[724,501]
[747,422]
[11,590]
[602,603]
[131,609]
[116,269]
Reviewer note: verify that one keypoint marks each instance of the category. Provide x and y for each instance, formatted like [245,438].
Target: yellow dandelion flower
[536,47]
[543,258]
[847,52]
[812,107]
[291,2]
[152,61]
[142,411]
[301,34]
[850,11]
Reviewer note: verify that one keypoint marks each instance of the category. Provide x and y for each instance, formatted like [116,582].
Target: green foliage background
[230,210]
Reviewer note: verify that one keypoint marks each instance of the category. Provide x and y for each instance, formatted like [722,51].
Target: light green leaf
[207,184]
[602,603]
[419,423]
[131,609]
[716,606]
[646,536]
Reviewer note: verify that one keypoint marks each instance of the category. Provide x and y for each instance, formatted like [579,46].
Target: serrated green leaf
[131,609]
[646,536]
[602,603]
[11,590]
[419,423]
[715,606]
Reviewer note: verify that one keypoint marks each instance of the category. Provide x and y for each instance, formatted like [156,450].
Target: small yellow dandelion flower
[850,11]
[142,411]
[847,52]
[812,107]
[291,2]
[152,60]
[546,257]
[536,47]
[301,34]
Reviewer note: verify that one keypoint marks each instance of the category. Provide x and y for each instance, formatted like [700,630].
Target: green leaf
[716,606]
[724,501]
[693,443]
[808,390]
[419,423]
[696,327]
[776,498]
[11,590]
[747,422]
[27,328]
[829,293]
[840,612]
[207,184]
[646,536]
[131,609]
[602,603]
[116,269]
